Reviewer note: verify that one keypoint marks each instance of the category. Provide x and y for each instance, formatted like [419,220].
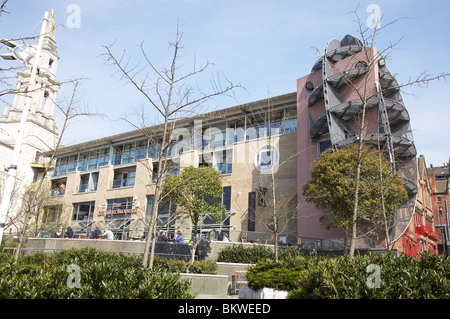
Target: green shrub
[347,278]
[170,265]
[103,275]
[246,255]
[204,267]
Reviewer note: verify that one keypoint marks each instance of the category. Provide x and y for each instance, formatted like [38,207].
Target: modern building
[40,133]
[110,181]
[347,78]
[259,148]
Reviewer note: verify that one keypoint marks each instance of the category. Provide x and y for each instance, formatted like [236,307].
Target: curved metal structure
[394,133]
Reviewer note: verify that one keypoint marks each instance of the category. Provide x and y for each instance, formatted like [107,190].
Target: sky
[263,45]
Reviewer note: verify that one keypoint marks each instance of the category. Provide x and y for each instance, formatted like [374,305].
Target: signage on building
[117,211]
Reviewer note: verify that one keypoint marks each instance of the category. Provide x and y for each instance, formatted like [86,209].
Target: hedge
[102,275]
[402,277]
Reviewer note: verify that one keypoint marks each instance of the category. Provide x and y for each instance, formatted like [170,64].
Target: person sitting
[69,233]
[95,233]
[162,237]
[179,239]
[59,232]
[107,234]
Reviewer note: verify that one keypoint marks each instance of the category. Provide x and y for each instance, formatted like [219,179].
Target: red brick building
[421,234]
[439,183]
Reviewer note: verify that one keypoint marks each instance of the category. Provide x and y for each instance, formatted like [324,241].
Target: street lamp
[443,230]
[12,170]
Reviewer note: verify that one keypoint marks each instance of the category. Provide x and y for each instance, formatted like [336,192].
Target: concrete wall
[209,251]
[208,286]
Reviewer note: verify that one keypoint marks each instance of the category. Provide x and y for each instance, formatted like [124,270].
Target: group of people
[108,235]
[180,240]
[162,238]
[60,233]
[97,233]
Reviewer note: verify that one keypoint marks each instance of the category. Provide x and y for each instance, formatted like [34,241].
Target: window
[72,163]
[166,210]
[52,214]
[119,208]
[267,159]
[226,198]
[82,161]
[323,146]
[124,177]
[58,187]
[251,223]
[93,160]
[88,182]
[117,155]
[83,211]
[223,161]
[103,157]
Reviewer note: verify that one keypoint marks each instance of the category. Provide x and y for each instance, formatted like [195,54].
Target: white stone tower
[40,131]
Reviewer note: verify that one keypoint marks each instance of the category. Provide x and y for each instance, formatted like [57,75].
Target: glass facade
[83,211]
[221,134]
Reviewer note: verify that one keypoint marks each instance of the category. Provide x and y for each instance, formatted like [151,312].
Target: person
[69,233]
[141,236]
[225,238]
[162,237]
[62,189]
[59,232]
[95,233]
[107,234]
[179,239]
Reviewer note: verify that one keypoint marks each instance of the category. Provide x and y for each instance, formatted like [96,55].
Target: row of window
[266,160]
[249,128]
[120,209]
[123,177]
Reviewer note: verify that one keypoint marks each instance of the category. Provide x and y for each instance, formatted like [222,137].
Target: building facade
[259,148]
[421,234]
[347,78]
[440,192]
[110,182]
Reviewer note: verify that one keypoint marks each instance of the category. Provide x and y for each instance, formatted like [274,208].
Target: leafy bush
[246,255]
[204,267]
[103,275]
[170,265]
[344,277]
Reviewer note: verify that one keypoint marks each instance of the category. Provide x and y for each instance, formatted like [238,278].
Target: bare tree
[71,109]
[172,96]
[277,206]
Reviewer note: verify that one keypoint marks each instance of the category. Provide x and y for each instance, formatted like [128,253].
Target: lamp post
[443,231]
[12,170]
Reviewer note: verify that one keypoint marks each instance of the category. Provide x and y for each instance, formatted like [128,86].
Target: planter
[207,286]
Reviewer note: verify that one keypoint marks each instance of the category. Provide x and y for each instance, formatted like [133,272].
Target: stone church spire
[43,98]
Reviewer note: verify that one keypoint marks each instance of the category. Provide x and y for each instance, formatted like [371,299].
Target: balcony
[119,183]
[87,188]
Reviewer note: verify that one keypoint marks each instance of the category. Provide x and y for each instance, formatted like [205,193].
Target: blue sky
[263,45]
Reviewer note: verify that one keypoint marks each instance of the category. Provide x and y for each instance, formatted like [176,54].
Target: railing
[87,188]
[123,183]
